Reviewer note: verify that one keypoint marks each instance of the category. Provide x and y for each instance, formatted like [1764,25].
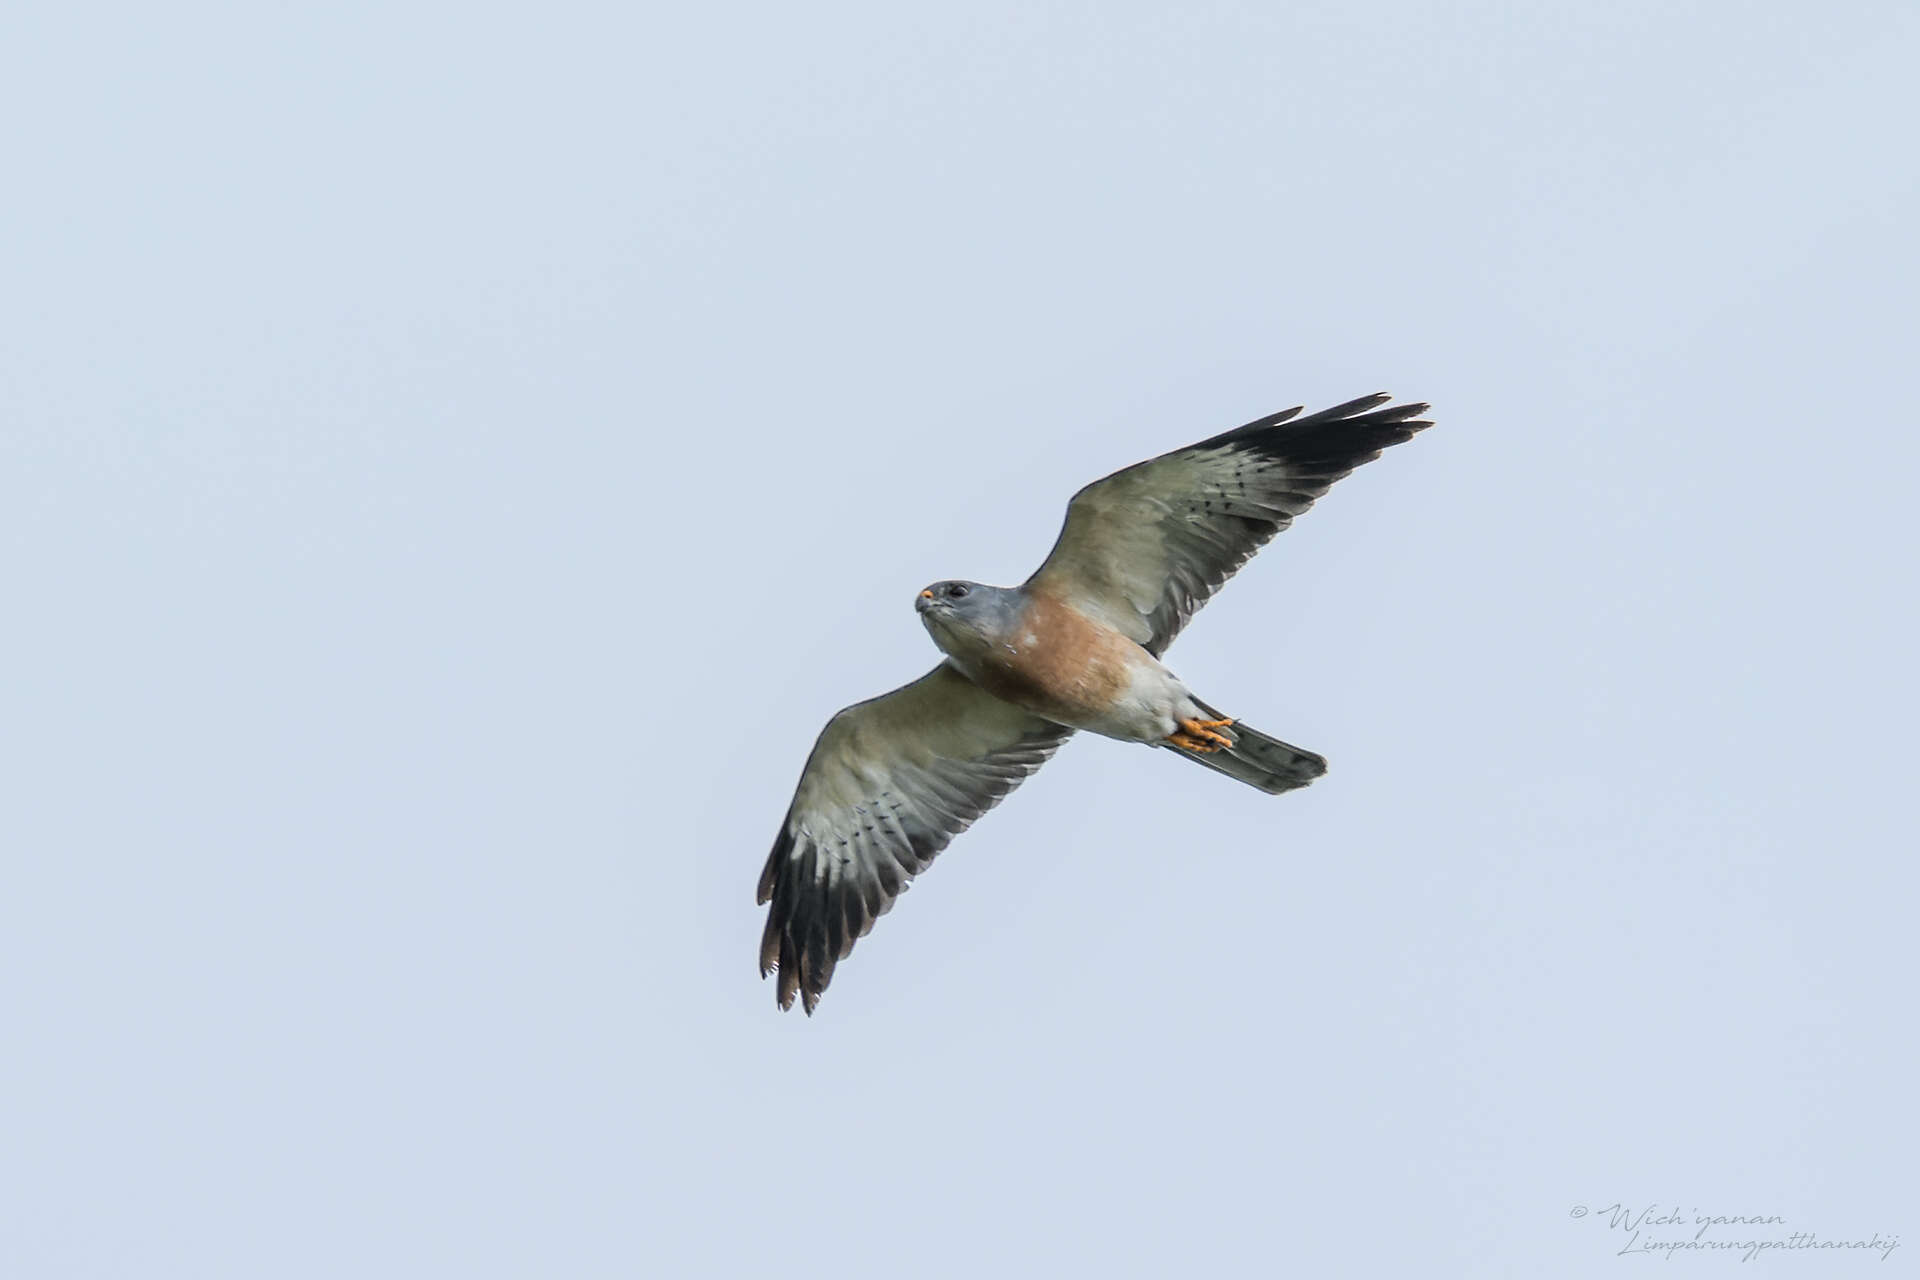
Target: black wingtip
[1363,423]
[770,873]
[1352,407]
[1271,420]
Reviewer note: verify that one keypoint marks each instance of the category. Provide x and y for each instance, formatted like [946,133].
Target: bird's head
[965,615]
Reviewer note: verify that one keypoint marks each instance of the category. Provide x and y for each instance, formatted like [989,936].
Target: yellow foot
[1201,735]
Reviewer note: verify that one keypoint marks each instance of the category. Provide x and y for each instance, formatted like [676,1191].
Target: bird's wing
[890,782]
[1144,548]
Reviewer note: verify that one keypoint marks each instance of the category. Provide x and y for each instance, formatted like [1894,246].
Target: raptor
[1078,645]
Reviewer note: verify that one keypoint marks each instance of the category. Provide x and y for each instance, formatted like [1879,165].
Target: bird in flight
[893,780]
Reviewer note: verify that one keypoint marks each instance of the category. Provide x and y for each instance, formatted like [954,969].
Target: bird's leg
[1201,735]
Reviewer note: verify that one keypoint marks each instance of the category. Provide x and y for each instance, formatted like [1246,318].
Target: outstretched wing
[1144,548]
[890,782]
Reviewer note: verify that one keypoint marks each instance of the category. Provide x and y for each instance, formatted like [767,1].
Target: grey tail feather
[1257,760]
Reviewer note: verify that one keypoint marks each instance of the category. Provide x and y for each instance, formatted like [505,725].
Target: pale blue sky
[453,458]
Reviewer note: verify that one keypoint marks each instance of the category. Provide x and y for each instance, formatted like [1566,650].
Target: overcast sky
[454,458]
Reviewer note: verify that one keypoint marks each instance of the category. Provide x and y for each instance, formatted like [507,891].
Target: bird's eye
[956,591]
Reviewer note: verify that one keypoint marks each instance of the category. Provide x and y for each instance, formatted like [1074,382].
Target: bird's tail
[1257,760]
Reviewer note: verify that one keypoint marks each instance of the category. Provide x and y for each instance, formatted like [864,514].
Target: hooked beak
[925,602]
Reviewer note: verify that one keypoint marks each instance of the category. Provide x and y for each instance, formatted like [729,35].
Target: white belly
[1148,709]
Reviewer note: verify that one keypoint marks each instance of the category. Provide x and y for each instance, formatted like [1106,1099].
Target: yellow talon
[1201,735]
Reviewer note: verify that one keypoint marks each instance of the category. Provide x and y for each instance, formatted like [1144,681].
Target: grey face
[963,616]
